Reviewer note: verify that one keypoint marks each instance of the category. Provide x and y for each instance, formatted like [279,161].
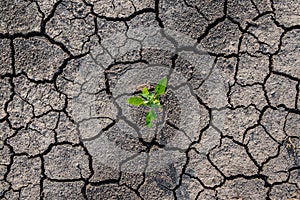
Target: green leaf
[148,120]
[150,116]
[161,86]
[145,91]
[150,96]
[144,95]
[156,102]
[153,114]
[135,101]
[146,103]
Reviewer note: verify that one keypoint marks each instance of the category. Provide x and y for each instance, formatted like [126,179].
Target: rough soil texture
[230,123]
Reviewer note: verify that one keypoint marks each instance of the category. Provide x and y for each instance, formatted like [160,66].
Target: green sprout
[150,100]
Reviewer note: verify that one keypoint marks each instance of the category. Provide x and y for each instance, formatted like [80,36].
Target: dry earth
[230,127]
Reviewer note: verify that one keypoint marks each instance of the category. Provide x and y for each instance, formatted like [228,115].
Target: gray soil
[230,123]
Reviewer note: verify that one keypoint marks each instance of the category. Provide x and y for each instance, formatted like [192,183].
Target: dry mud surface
[230,123]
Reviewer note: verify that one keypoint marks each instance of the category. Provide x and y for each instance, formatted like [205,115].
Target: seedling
[150,100]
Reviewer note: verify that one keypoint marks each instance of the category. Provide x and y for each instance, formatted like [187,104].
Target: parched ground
[230,123]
